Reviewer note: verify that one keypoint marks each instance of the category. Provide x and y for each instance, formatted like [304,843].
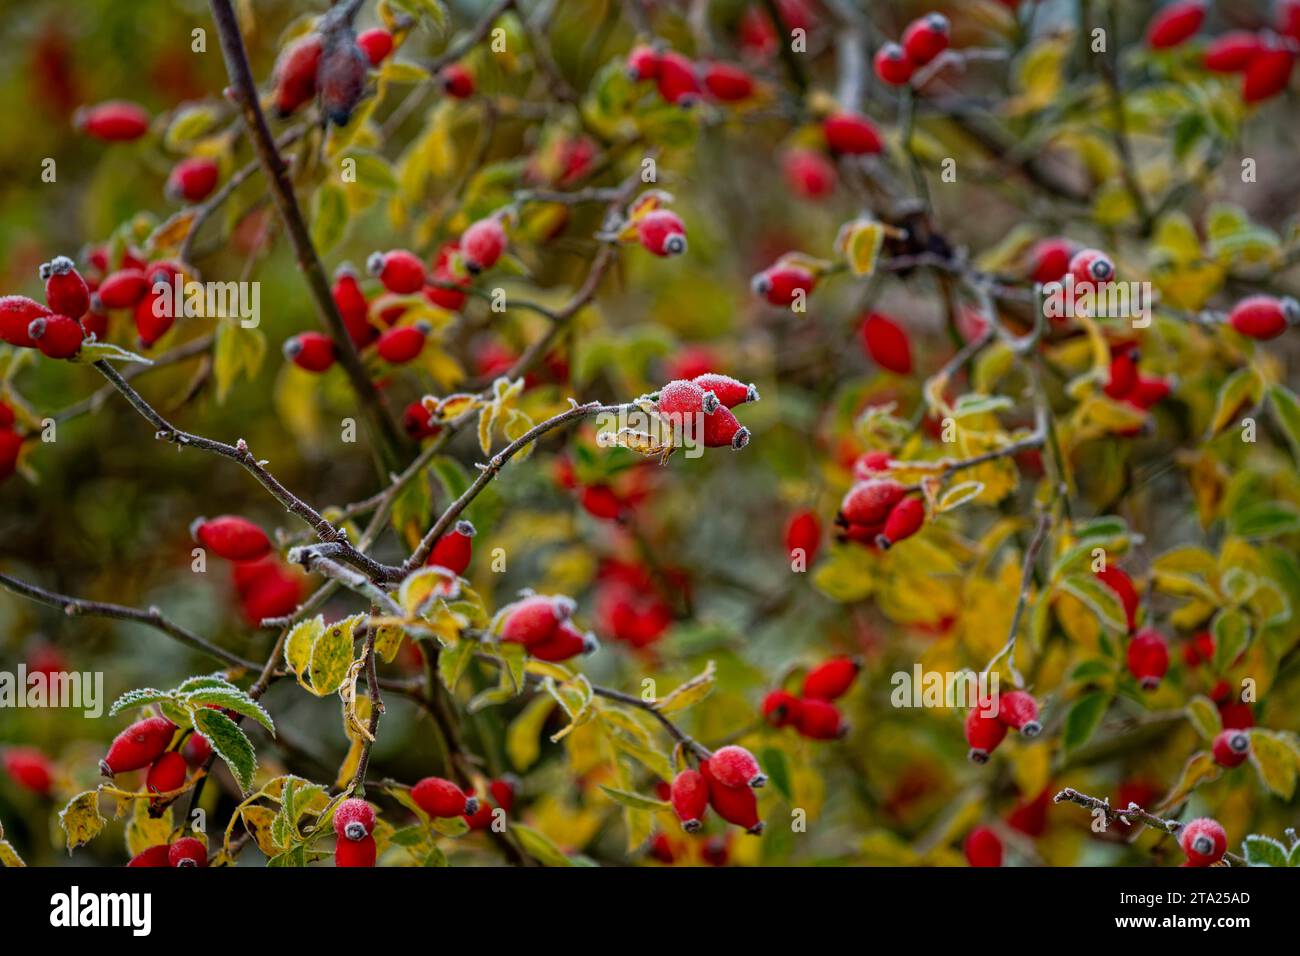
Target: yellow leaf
[81,819]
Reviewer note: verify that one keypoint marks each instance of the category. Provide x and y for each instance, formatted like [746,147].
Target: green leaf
[1274,761]
[329,216]
[1264,851]
[1266,519]
[229,742]
[958,495]
[232,699]
[92,352]
[1240,388]
[690,693]
[539,846]
[81,819]
[1200,768]
[188,124]
[297,648]
[331,656]
[1204,716]
[523,738]
[1232,633]
[138,698]
[1286,411]
[635,800]
[373,171]
[1099,599]
[774,765]
[452,662]
[1083,718]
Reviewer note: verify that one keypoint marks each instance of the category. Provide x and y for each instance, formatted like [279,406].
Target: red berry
[1267,74]
[721,429]
[482,243]
[1199,650]
[871,464]
[66,292]
[809,173]
[138,746]
[454,549]
[1019,711]
[601,501]
[166,774]
[1148,391]
[401,272]
[1236,715]
[275,593]
[566,642]
[354,819]
[122,289]
[676,79]
[886,344]
[729,391]
[662,233]
[113,121]
[1232,52]
[925,38]
[534,619]
[153,318]
[1119,582]
[716,851]
[1231,748]
[341,76]
[193,179]
[1288,18]
[680,399]
[983,847]
[295,74]
[1123,375]
[870,502]
[17,312]
[819,720]
[1148,657]
[727,82]
[1091,267]
[781,707]
[57,336]
[348,853]
[734,766]
[660,849]
[781,285]
[313,351]
[831,679]
[231,537]
[197,750]
[905,519]
[983,733]
[1262,316]
[94,323]
[1175,24]
[736,805]
[11,443]
[643,63]
[352,306]
[417,421]
[1204,841]
[154,856]
[1049,260]
[400,345]
[851,134]
[690,799]
[457,81]
[893,65]
[803,534]
[442,798]
[376,43]
[28,768]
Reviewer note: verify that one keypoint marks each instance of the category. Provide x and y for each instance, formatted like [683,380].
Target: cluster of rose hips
[629,606]
[56,328]
[878,511]
[726,781]
[187,851]
[266,588]
[923,40]
[541,624]
[1264,59]
[148,743]
[682,82]
[715,850]
[812,713]
[330,64]
[707,400]
[1016,710]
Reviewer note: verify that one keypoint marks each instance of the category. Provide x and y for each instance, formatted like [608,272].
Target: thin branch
[92,403]
[1026,580]
[1128,814]
[75,607]
[387,437]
